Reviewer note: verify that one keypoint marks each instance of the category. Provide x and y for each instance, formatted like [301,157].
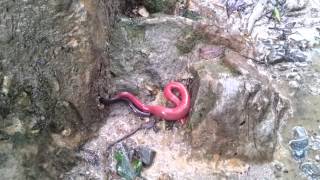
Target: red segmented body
[182,105]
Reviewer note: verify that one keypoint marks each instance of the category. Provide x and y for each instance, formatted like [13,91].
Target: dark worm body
[137,111]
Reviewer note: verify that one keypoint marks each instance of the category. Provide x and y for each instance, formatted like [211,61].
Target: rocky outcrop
[53,65]
[236,112]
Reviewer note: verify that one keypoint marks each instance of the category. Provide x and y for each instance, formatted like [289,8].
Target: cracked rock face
[52,61]
[234,115]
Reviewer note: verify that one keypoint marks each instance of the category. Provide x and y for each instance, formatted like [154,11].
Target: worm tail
[136,110]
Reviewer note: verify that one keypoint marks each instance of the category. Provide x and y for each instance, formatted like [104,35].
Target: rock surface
[234,115]
[236,112]
[146,54]
[53,65]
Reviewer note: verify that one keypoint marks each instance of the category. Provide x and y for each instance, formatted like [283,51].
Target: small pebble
[142,11]
[299,132]
[278,167]
[299,145]
[146,155]
[6,83]
[66,132]
[310,169]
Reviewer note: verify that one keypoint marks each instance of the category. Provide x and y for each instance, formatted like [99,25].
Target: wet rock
[310,169]
[299,145]
[146,155]
[232,115]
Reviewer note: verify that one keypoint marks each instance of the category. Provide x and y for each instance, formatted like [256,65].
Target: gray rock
[296,5]
[232,115]
[311,169]
[146,155]
[299,148]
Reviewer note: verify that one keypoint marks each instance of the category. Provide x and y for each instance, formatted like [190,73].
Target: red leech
[180,111]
